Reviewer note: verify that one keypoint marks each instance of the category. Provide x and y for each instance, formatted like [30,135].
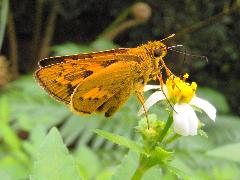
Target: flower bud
[150,130]
[141,11]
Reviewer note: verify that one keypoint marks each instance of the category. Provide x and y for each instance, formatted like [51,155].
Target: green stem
[13,45]
[173,138]
[116,22]
[142,168]
[166,128]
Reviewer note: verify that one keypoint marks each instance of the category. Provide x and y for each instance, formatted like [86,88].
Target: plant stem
[115,23]
[13,46]
[171,139]
[142,167]
[166,128]
[50,27]
[215,18]
[4,6]
[37,28]
[110,35]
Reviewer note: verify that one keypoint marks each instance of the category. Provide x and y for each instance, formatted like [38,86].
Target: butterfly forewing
[61,78]
[86,56]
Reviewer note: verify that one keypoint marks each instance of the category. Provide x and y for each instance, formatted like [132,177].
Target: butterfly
[101,82]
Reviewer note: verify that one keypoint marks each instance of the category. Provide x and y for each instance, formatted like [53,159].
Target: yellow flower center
[179,91]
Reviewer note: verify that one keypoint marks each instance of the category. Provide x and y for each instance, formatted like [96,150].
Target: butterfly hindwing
[96,93]
[114,103]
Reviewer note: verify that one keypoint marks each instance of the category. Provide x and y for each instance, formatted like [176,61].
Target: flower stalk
[166,127]
[141,169]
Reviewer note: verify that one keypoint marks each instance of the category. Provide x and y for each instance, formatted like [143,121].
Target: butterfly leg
[142,101]
[160,78]
[168,71]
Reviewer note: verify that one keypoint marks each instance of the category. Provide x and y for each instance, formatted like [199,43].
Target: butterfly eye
[157,52]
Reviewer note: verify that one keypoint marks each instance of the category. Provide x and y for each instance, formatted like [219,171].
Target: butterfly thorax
[151,54]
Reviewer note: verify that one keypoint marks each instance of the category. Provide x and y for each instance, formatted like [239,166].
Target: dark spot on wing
[105,96]
[70,89]
[79,56]
[110,111]
[108,63]
[150,76]
[55,81]
[107,114]
[87,73]
[73,76]
[50,61]
[59,74]
[85,112]
[100,108]
[80,98]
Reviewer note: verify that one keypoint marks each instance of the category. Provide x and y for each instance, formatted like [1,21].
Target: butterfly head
[159,50]
[156,49]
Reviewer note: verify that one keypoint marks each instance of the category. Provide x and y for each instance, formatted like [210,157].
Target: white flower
[182,97]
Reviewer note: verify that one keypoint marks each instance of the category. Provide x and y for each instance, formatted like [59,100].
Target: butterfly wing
[61,78]
[106,90]
[85,56]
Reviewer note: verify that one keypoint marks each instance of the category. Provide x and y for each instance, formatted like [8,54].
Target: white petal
[206,106]
[150,87]
[185,121]
[154,98]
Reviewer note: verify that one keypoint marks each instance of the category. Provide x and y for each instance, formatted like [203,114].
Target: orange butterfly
[102,81]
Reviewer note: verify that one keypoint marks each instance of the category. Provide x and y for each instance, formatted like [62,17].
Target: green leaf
[70,48]
[88,160]
[3,19]
[154,173]
[180,174]
[215,97]
[128,167]
[12,168]
[228,152]
[225,129]
[53,160]
[103,44]
[159,155]
[4,110]
[120,140]
[6,132]
[106,174]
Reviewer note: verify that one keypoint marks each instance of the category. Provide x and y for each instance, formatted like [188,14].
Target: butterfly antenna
[169,37]
[185,53]
[182,63]
[176,46]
